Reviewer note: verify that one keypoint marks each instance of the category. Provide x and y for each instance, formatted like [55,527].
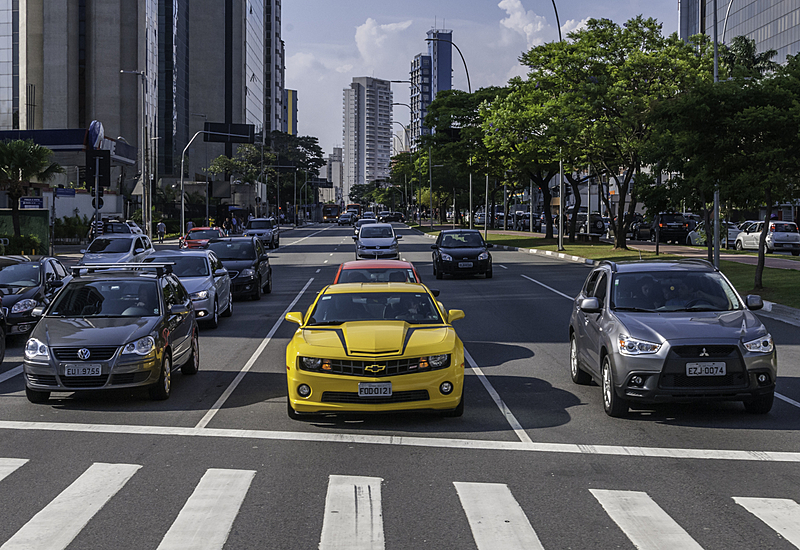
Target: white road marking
[425,442]
[643,521]
[10,465]
[58,523]
[783,515]
[504,267]
[304,238]
[787,399]
[320,269]
[506,412]
[551,289]
[325,262]
[353,517]
[496,518]
[331,254]
[10,373]
[250,362]
[205,521]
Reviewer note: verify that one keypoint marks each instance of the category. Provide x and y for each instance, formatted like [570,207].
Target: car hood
[237,265]
[13,294]
[390,338]
[91,258]
[93,331]
[463,253]
[376,242]
[692,325]
[195,284]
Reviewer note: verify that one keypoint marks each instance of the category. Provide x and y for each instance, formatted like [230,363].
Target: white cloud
[374,40]
[573,25]
[533,27]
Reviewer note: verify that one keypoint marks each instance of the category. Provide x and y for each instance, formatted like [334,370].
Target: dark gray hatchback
[113,328]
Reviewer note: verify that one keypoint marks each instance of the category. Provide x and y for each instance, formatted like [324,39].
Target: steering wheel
[696,301]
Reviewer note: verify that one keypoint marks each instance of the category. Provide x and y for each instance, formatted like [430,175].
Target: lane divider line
[11,373]
[787,399]
[250,362]
[551,289]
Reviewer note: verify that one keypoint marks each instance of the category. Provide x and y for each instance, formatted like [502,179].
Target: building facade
[274,57]
[289,123]
[334,173]
[773,24]
[430,73]
[367,148]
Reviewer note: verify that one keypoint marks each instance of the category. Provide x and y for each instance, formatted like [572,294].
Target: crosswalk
[353,513]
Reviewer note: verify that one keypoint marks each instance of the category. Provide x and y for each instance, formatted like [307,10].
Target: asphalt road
[534,462]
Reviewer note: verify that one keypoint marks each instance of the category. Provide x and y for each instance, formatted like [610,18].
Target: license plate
[374,389]
[82,370]
[464,264]
[706,369]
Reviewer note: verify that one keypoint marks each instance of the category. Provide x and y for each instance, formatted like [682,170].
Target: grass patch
[780,285]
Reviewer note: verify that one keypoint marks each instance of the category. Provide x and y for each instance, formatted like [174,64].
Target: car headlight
[202,295]
[34,348]
[760,345]
[447,257]
[483,256]
[249,272]
[634,346]
[23,305]
[311,363]
[142,346]
[438,361]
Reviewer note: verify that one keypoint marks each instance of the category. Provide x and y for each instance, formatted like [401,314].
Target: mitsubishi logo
[374,368]
[83,354]
[704,353]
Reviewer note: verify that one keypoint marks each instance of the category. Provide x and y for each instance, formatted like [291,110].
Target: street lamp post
[144,177]
[208,220]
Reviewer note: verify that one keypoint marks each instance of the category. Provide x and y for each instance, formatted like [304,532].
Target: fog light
[303,390]
[636,381]
[763,379]
[201,313]
[446,388]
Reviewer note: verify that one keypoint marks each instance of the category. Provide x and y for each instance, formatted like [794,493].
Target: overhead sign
[63,192]
[31,202]
[220,132]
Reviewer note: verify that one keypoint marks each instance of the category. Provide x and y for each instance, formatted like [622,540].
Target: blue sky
[328,43]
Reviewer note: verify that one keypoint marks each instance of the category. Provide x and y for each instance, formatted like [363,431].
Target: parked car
[339,360]
[781,236]
[134,227]
[247,263]
[697,236]
[265,230]
[675,331]
[345,219]
[108,329]
[590,223]
[377,271]
[204,278]
[671,227]
[198,237]
[377,241]
[387,217]
[461,251]
[117,248]
[27,282]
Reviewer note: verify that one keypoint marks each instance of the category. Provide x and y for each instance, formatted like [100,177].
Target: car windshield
[784,227]
[25,274]
[376,233]
[365,221]
[203,234]
[259,224]
[673,291]
[116,228]
[462,240]
[185,266]
[109,246]
[377,276]
[412,307]
[232,250]
[107,299]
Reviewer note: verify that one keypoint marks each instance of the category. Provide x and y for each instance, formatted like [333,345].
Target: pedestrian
[189,226]
[226,226]
[234,225]
[161,228]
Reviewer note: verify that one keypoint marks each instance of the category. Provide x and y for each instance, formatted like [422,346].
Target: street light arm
[558,23]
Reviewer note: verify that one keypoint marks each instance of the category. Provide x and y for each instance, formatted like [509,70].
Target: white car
[117,248]
[377,241]
[134,227]
[781,236]
[697,236]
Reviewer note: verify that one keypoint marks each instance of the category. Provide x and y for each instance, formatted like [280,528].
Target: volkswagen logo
[83,354]
[374,368]
[704,353]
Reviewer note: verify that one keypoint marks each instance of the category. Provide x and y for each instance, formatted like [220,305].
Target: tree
[741,59]
[245,165]
[21,162]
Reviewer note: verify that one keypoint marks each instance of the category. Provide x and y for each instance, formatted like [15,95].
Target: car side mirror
[178,309]
[38,311]
[455,315]
[590,305]
[138,250]
[355,238]
[54,284]
[83,251]
[220,272]
[754,302]
[489,245]
[264,257]
[434,247]
[434,291]
[294,317]
[398,237]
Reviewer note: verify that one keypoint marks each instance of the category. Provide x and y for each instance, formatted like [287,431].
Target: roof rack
[160,267]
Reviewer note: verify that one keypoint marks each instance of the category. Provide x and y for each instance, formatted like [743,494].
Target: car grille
[84,381]
[96,353]
[674,373]
[42,379]
[352,397]
[377,369]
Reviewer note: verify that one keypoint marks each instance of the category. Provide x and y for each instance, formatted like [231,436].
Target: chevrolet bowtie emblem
[704,353]
[375,368]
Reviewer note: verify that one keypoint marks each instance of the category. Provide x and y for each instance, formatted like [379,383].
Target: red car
[377,271]
[198,237]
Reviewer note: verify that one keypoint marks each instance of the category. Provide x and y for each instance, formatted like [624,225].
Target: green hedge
[26,244]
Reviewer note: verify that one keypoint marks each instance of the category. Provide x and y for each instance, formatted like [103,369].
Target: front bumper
[467,267]
[244,286]
[372,253]
[20,323]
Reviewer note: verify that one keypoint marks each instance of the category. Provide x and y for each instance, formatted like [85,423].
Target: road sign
[31,202]
[219,132]
[95,203]
[63,192]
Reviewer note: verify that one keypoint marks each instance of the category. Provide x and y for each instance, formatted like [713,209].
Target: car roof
[690,264]
[180,252]
[260,220]
[377,264]
[379,224]
[114,274]
[200,228]
[452,231]
[347,288]
[18,259]
[128,236]
[232,239]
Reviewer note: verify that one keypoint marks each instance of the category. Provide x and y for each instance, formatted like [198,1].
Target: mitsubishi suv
[677,331]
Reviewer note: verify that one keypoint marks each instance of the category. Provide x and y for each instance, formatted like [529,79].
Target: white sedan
[697,236]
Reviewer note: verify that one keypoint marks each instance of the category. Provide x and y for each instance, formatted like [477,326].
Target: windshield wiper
[634,309]
[323,323]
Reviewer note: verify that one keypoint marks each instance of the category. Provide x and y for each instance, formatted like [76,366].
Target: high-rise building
[367,149]
[173,85]
[774,25]
[430,73]
[334,173]
[274,56]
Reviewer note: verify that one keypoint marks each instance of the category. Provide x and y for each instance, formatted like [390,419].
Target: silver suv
[265,230]
[656,332]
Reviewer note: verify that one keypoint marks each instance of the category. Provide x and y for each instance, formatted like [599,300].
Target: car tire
[614,405]
[739,245]
[268,288]
[290,411]
[578,375]
[36,396]
[257,293]
[3,343]
[162,388]
[489,273]
[458,411]
[229,311]
[768,250]
[213,322]
[761,404]
[192,365]
[437,272]
[795,252]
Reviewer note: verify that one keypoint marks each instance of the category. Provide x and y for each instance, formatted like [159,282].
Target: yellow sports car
[373,348]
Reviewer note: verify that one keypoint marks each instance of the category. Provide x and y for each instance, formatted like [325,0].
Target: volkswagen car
[117,248]
[461,252]
[113,328]
[673,331]
[377,240]
[375,348]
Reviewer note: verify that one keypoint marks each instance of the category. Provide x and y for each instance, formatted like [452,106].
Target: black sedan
[247,262]
[461,251]
[27,282]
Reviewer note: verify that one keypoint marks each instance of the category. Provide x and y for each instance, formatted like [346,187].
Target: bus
[357,208]
[330,212]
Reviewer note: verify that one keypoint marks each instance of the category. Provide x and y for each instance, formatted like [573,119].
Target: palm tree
[22,161]
[742,54]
